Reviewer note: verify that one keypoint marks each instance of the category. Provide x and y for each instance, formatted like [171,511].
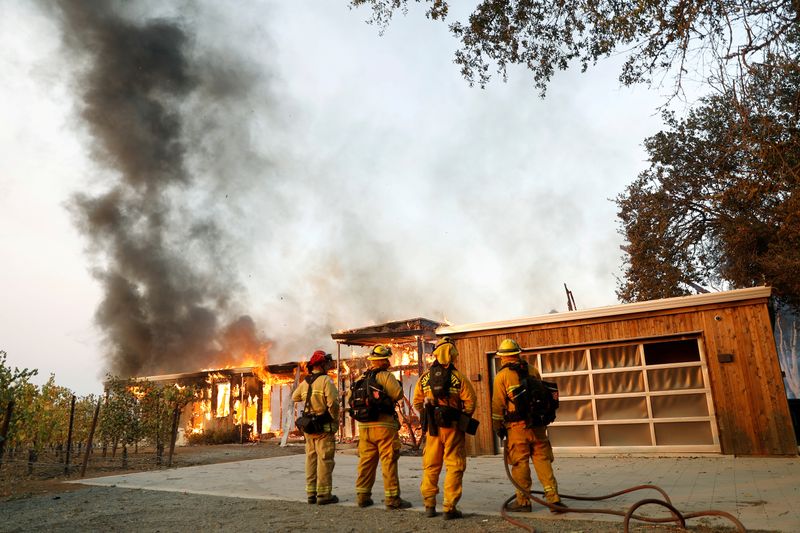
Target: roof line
[614,310]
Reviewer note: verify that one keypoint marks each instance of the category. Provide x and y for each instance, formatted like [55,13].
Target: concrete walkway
[763,493]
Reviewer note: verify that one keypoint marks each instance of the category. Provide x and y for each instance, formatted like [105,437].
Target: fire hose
[627,515]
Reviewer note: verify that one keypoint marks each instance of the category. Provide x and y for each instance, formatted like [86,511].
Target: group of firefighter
[379,441]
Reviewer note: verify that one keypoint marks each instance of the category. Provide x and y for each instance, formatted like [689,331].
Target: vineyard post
[69,435]
[91,436]
[174,435]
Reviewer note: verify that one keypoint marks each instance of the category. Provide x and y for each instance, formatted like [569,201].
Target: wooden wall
[749,397]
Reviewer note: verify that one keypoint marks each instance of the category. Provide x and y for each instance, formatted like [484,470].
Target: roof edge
[614,310]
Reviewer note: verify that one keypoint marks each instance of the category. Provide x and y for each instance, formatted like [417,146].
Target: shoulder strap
[310,379]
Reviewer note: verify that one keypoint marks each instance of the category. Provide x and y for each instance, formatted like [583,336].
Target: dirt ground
[48,476]
[43,501]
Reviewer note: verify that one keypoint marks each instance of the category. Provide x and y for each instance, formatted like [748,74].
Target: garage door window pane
[662,353]
[572,385]
[679,405]
[687,377]
[564,361]
[621,408]
[572,436]
[614,357]
[625,435]
[574,410]
[683,433]
[618,382]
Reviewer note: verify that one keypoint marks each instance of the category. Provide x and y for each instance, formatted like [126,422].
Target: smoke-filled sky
[183,180]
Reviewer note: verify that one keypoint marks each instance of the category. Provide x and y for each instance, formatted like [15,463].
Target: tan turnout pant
[374,444]
[320,450]
[525,444]
[448,450]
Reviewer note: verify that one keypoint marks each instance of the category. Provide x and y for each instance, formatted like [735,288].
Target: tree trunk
[89,440]
[31,459]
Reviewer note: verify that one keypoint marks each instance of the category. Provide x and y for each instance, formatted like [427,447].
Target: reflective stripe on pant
[320,450]
[524,444]
[448,449]
[378,443]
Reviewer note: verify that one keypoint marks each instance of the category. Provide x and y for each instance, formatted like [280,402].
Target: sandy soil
[46,503]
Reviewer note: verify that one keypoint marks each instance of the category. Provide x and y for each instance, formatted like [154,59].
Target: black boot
[515,507]
[430,512]
[399,503]
[452,514]
[366,502]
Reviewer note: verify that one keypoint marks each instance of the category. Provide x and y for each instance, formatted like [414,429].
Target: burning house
[255,401]
[246,400]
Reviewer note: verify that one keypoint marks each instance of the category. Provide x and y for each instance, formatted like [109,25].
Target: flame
[404,354]
[266,421]
[271,379]
[223,399]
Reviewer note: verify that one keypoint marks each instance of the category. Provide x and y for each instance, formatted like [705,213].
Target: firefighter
[320,447]
[447,390]
[524,443]
[378,439]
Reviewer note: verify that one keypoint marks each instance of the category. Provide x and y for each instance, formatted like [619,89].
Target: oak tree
[720,203]
[658,37]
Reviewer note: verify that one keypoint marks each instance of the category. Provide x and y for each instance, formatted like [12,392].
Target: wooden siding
[750,401]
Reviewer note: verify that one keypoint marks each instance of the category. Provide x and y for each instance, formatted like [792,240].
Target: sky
[328,177]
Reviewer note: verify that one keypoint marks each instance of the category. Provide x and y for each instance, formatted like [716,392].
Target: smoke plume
[167,290]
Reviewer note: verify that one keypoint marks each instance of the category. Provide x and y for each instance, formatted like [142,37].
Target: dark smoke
[167,291]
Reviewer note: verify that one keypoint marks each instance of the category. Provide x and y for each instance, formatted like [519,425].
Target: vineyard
[48,431]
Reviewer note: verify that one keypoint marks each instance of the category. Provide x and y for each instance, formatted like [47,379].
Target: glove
[502,433]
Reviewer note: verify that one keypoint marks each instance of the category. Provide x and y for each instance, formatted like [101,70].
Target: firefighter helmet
[380,352]
[508,348]
[444,340]
[445,351]
[319,358]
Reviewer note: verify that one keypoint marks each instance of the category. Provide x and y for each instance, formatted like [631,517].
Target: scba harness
[309,422]
[441,381]
[368,400]
[535,400]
